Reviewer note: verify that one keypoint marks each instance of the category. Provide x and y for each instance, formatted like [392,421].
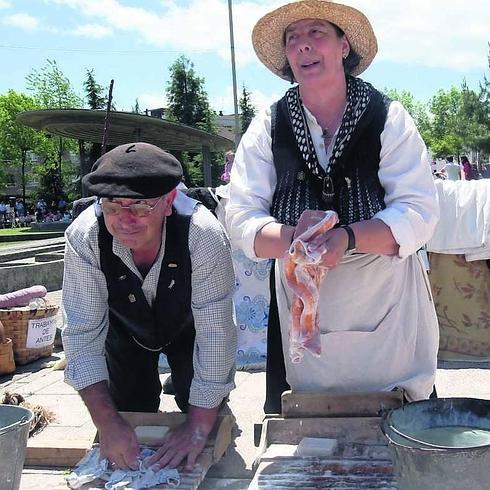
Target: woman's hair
[464,159]
[350,63]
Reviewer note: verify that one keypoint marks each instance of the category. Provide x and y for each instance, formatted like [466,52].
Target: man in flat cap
[142,277]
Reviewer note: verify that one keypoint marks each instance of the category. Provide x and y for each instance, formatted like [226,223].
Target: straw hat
[268,33]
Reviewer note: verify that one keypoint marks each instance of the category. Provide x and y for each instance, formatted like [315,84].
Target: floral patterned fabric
[461,292]
[251,300]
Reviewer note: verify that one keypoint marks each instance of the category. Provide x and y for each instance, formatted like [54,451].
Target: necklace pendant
[328,191]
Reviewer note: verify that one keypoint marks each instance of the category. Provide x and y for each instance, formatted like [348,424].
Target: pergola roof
[124,127]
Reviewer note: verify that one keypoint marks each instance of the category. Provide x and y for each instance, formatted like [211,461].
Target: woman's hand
[331,244]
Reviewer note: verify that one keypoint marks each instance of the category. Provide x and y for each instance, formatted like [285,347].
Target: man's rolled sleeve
[85,305]
[212,290]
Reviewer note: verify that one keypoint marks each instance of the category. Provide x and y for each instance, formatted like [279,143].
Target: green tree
[418,110]
[17,141]
[447,126]
[187,99]
[94,92]
[247,109]
[51,89]
[136,108]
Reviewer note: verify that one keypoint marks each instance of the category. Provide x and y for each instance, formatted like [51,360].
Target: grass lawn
[14,231]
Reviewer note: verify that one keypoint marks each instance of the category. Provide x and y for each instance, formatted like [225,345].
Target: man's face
[139,233]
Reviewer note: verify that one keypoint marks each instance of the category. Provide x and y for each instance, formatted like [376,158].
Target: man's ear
[169,200]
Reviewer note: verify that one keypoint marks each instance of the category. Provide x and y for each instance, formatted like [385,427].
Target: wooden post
[206,166]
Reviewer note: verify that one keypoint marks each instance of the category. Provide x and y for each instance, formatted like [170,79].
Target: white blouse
[411,211]
[376,316]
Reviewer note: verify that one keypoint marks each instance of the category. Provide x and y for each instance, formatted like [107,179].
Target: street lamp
[233,73]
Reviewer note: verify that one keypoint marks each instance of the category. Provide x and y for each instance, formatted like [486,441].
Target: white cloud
[433,33]
[427,32]
[23,21]
[93,31]
[4,4]
[260,100]
[150,101]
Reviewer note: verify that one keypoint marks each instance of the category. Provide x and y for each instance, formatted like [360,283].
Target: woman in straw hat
[335,142]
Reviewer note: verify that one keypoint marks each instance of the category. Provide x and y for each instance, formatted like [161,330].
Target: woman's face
[314,50]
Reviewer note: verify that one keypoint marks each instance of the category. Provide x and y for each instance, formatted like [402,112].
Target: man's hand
[118,443]
[186,442]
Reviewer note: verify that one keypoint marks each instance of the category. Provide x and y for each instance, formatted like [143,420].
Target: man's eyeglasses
[140,210]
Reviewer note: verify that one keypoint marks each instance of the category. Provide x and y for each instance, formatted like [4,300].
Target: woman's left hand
[332,244]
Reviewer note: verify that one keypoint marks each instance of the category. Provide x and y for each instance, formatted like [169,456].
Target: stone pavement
[42,385]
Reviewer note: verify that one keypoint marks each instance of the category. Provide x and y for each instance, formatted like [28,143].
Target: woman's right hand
[119,444]
[308,218]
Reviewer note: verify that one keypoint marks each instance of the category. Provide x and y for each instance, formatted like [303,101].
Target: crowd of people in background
[14,213]
[449,169]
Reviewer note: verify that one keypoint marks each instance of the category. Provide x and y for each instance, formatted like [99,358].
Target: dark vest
[358,192]
[152,327]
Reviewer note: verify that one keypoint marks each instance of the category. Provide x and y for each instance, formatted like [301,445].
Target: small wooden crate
[7,364]
[16,323]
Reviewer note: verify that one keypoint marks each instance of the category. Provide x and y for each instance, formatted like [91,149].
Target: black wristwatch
[351,245]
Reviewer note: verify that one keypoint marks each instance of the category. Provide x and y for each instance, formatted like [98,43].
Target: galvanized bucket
[14,430]
[441,444]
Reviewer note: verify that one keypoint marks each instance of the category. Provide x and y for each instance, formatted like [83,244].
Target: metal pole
[233,73]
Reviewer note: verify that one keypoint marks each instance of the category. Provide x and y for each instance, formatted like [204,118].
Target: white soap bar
[316,446]
[151,434]
[280,450]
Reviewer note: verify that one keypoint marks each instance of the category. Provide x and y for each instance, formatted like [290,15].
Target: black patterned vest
[151,327]
[358,192]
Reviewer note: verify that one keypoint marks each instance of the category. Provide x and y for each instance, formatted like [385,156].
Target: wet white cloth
[464,225]
[93,467]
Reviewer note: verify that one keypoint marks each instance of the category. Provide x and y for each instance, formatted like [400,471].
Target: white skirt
[378,327]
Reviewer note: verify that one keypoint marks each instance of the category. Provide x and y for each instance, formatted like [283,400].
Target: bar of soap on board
[316,446]
[151,434]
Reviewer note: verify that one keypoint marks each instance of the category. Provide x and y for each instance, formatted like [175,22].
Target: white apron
[378,326]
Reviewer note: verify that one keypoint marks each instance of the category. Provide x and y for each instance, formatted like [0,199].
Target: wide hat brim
[268,33]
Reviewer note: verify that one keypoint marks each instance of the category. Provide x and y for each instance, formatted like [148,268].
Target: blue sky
[424,45]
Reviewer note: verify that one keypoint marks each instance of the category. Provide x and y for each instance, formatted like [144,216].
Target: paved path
[42,385]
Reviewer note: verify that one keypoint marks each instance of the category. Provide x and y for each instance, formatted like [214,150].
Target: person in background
[335,142]
[467,168]
[453,170]
[142,277]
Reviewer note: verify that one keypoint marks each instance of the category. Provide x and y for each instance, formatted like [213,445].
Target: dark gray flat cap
[134,170]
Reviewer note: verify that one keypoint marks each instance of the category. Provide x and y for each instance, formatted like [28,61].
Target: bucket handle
[22,421]
[413,439]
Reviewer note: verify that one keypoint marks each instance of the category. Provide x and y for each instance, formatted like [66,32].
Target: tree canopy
[187,99]
[247,109]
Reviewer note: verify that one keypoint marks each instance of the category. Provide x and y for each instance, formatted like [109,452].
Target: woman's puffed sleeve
[252,184]
[412,208]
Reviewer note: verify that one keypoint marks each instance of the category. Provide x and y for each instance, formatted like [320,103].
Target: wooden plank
[64,447]
[361,459]
[367,404]
[313,473]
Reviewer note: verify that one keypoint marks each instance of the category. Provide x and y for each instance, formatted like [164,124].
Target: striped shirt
[85,301]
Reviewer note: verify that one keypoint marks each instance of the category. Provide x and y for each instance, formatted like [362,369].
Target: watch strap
[351,245]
